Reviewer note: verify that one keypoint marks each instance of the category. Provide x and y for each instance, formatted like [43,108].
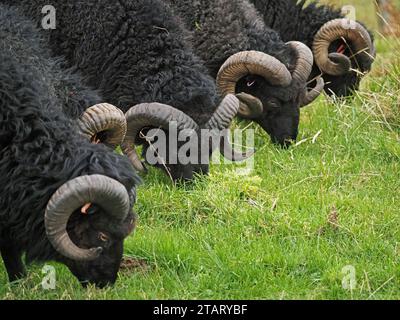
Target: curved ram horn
[313,93]
[251,62]
[104,118]
[304,63]
[250,107]
[338,64]
[220,122]
[155,115]
[303,70]
[107,193]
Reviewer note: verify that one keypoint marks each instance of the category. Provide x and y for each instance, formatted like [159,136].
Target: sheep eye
[103,237]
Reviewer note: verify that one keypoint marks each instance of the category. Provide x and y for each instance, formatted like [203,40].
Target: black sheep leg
[12,258]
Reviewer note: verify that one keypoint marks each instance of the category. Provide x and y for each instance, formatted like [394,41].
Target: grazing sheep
[60,195]
[343,55]
[251,60]
[136,52]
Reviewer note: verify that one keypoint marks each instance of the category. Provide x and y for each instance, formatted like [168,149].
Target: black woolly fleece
[40,147]
[132,52]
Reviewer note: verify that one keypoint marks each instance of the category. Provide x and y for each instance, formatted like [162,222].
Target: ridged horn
[220,122]
[338,64]
[151,115]
[313,93]
[104,118]
[304,63]
[103,191]
[250,106]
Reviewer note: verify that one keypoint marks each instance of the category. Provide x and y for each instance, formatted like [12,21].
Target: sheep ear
[85,208]
[89,209]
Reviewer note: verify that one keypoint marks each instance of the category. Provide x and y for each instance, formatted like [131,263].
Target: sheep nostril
[89,209]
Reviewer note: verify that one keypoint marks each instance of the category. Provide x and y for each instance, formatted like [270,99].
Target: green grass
[365,9]
[271,234]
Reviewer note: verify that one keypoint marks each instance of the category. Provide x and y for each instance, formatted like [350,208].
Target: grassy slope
[269,235]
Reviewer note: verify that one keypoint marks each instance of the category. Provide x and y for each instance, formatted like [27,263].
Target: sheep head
[89,238]
[144,117]
[271,94]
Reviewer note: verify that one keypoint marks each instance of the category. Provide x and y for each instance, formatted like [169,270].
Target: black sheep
[99,122]
[59,193]
[251,60]
[137,52]
[343,55]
